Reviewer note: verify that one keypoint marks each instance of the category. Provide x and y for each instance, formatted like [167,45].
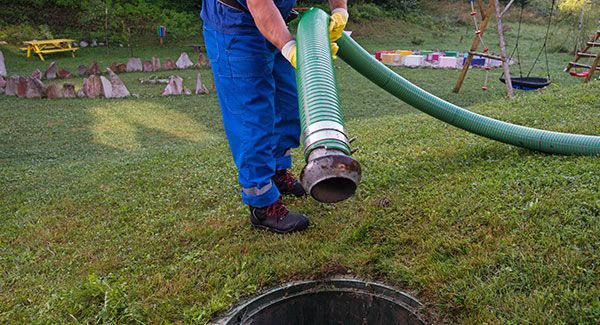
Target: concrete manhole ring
[330,301]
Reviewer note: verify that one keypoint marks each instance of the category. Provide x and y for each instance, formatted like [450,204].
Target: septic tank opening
[332,301]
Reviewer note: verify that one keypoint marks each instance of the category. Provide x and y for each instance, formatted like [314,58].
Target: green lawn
[120,211]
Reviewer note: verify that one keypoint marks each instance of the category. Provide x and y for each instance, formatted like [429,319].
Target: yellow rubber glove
[289,52]
[334,50]
[337,23]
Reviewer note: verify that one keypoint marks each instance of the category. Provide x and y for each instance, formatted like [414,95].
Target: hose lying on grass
[521,136]
[365,64]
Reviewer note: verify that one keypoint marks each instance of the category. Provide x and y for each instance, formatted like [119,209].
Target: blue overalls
[256,87]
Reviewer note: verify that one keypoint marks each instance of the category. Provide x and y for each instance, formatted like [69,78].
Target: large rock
[134,65]
[174,87]
[53,91]
[118,87]
[64,74]
[169,65]
[156,64]
[82,70]
[3,72]
[94,69]
[34,88]
[106,87]
[92,87]
[200,87]
[201,61]
[51,72]
[37,74]
[69,91]
[184,61]
[121,68]
[148,66]
[12,85]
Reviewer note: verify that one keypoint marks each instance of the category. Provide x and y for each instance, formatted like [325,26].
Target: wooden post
[474,45]
[482,9]
[593,68]
[505,59]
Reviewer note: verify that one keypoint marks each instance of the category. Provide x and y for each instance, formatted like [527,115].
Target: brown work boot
[287,184]
[278,218]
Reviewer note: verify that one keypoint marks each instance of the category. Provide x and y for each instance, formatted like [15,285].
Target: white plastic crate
[448,62]
[414,60]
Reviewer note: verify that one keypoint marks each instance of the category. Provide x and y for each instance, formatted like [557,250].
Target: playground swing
[528,82]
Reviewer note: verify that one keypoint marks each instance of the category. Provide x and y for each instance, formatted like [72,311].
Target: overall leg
[287,118]
[242,67]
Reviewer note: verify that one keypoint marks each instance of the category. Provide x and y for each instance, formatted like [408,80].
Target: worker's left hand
[289,51]
[337,23]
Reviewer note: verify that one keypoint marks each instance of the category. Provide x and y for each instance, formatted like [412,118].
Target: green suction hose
[331,174]
[525,137]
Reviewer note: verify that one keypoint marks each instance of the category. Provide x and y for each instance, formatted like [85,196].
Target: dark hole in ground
[333,301]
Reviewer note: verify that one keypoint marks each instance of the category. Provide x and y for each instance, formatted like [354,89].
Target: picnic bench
[49,46]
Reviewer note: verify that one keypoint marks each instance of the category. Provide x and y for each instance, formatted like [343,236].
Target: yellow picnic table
[49,46]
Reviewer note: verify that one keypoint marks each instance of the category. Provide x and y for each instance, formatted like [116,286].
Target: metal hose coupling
[331,174]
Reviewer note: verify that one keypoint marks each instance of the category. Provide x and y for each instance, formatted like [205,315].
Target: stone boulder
[53,91]
[3,72]
[174,87]
[106,87]
[2,85]
[184,61]
[68,91]
[156,64]
[134,65]
[64,74]
[200,87]
[34,88]
[148,66]
[12,85]
[92,87]
[37,74]
[169,65]
[82,70]
[118,87]
[201,61]
[121,68]
[94,69]
[51,72]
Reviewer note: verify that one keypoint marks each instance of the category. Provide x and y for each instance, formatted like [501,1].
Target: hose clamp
[322,126]
[325,135]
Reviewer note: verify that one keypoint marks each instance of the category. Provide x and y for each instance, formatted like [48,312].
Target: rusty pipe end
[330,175]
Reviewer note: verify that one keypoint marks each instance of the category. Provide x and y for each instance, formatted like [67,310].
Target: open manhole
[332,301]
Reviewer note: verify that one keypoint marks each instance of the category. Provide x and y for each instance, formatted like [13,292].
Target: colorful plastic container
[447,62]
[413,60]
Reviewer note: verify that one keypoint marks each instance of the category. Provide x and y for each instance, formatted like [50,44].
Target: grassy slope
[128,209]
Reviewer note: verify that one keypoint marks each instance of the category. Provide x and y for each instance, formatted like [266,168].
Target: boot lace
[278,210]
[285,177]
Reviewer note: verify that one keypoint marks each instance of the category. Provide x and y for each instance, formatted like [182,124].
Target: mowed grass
[123,211]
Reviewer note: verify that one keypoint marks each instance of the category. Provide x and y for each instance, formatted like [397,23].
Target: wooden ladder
[585,53]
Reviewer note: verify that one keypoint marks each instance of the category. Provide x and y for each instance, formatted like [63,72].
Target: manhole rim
[255,304]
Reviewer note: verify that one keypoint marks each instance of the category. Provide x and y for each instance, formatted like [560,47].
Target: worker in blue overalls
[253,56]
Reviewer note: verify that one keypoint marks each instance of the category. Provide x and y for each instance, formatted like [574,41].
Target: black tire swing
[528,82]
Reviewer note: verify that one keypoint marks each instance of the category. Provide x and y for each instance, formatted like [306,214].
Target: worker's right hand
[289,51]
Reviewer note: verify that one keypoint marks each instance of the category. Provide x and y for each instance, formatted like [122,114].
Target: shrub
[24,32]
[365,11]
